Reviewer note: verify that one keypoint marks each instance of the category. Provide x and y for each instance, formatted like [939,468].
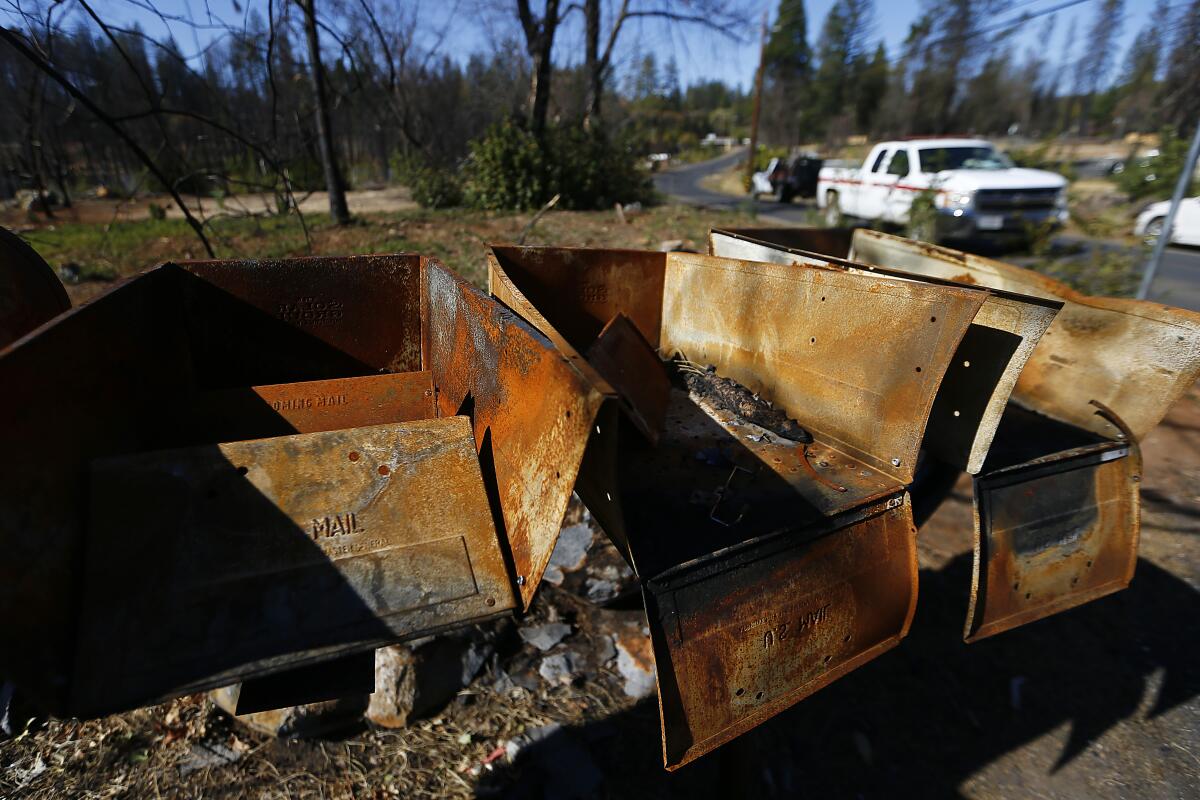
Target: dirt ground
[1099,702]
[104,211]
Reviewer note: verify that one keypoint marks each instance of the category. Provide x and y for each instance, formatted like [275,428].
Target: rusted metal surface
[30,293]
[532,412]
[1133,359]
[307,318]
[205,355]
[631,366]
[1055,530]
[279,551]
[856,357]
[730,658]
[1135,356]
[594,284]
[311,406]
[735,534]
[984,370]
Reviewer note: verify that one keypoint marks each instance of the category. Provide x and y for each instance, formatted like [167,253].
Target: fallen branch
[529,227]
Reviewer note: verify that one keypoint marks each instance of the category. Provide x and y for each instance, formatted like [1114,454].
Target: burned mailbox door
[1053,534]
[277,552]
[984,370]
[1129,360]
[744,633]
[752,610]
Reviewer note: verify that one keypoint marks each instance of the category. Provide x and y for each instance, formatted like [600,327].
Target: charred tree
[333,174]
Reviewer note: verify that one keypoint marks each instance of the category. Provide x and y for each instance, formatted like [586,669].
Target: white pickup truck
[977,191]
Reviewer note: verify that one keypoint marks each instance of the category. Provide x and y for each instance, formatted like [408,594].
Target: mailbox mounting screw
[895,462]
[520,580]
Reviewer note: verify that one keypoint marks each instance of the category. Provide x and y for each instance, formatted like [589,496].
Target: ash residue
[726,394]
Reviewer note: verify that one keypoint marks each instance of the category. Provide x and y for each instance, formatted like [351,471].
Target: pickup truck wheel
[1154,229]
[833,211]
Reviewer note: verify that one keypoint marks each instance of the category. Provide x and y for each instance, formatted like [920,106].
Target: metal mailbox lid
[531,405]
[30,294]
[986,366]
[1054,531]
[854,357]
[1135,356]
[210,564]
[739,639]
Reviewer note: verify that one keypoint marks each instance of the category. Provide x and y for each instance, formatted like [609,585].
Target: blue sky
[481,25]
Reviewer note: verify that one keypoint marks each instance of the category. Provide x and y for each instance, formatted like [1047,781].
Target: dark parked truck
[786,178]
[976,192]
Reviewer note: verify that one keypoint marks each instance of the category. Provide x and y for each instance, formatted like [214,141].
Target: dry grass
[456,237]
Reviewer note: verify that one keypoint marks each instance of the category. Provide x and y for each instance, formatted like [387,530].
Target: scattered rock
[212,754]
[604,649]
[600,590]
[294,722]
[414,680]
[561,668]
[570,552]
[635,662]
[7,723]
[544,637]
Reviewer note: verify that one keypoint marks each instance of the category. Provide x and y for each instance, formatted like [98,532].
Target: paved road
[1177,282]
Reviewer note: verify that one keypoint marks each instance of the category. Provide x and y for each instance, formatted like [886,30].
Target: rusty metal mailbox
[1057,502]
[29,293]
[223,470]
[769,568]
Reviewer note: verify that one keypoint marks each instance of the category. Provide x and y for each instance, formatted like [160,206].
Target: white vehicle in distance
[977,191]
[1186,230]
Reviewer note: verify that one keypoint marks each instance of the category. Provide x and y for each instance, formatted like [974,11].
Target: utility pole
[758,83]
[1160,244]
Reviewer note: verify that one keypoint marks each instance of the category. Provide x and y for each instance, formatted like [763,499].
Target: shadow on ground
[921,719]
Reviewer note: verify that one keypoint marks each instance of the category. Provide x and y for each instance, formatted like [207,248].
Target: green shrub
[510,169]
[1155,177]
[436,188]
[156,211]
[507,170]
[591,170]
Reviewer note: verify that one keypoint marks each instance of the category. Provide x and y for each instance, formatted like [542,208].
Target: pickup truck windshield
[936,159]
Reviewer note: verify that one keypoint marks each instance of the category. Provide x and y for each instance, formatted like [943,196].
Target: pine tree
[787,65]
[1181,99]
[1096,61]
[843,45]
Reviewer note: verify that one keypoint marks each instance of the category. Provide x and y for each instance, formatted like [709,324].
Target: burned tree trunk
[539,41]
[595,70]
[333,175]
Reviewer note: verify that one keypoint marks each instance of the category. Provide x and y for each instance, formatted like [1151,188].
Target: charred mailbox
[1056,500]
[221,470]
[769,567]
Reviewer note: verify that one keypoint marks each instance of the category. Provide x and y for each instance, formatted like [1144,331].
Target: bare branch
[40,62]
